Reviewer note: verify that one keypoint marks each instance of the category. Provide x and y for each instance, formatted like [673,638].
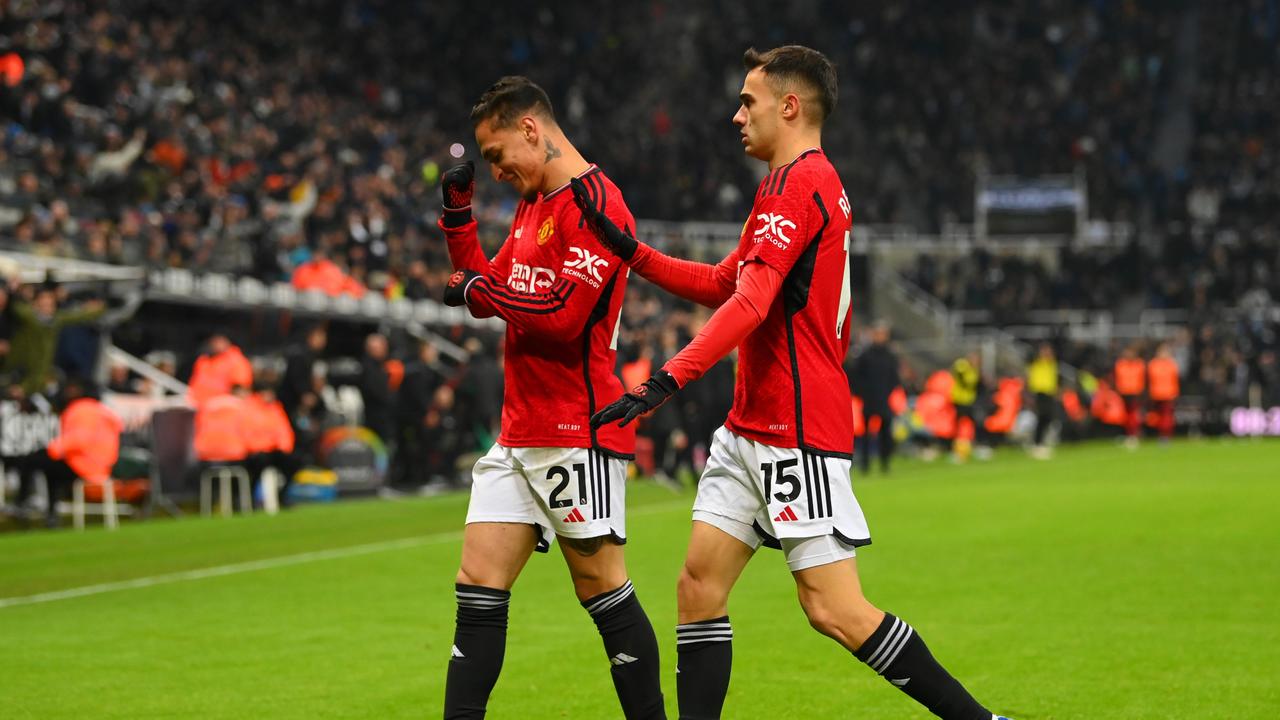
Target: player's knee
[697,595]
[824,619]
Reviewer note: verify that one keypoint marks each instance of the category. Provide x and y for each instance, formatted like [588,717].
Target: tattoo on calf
[553,152]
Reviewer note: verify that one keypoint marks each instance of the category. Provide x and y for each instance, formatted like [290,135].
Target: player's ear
[529,129]
[790,106]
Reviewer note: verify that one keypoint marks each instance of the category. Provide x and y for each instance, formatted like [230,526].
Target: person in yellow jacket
[966,383]
[1042,381]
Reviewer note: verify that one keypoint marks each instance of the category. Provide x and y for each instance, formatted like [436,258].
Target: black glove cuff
[666,381]
[455,217]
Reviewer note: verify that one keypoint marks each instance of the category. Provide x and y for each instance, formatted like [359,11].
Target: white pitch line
[264,564]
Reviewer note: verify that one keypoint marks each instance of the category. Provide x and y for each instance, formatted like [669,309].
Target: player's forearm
[699,282]
[729,326]
[464,247]
[551,315]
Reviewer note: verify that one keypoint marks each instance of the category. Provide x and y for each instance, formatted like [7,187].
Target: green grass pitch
[1102,584]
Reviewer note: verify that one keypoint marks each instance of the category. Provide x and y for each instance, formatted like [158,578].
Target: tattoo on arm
[553,152]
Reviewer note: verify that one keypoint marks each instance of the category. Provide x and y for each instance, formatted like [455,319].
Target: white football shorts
[574,492]
[785,498]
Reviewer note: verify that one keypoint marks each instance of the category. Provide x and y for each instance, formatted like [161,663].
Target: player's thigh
[597,565]
[712,566]
[831,595]
[494,553]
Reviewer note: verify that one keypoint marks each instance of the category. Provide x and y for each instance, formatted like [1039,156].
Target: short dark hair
[509,98]
[798,64]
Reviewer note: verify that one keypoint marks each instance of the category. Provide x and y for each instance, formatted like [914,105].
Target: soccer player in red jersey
[778,473]
[551,474]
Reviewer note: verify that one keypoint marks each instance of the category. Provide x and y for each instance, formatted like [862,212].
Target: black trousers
[884,438]
[286,463]
[1044,416]
[59,477]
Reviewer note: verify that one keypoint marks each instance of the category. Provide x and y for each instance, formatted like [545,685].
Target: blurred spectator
[221,368]
[873,376]
[269,441]
[219,433]
[87,447]
[297,388]
[35,335]
[1162,374]
[414,400]
[375,389]
[445,439]
[1042,381]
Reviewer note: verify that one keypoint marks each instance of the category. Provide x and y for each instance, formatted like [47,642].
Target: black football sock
[479,642]
[704,658]
[633,651]
[898,654]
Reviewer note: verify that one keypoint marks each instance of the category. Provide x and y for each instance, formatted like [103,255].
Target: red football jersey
[561,293]
[791,388]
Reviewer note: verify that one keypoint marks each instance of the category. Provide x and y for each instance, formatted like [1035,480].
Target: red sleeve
[785,220]
[705,284]
[758,285]
[465,252]
[559,312]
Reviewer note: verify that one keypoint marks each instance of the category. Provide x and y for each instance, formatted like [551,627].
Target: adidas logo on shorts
[787,515]
[574,516]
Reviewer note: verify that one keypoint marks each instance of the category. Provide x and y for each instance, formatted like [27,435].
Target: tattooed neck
[553,152]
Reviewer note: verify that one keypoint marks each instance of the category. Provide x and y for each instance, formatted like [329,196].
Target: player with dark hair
[779,468]
[551,474]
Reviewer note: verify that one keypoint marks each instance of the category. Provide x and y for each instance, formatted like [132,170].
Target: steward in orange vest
[87,447]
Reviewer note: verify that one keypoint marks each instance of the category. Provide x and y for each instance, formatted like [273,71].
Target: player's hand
[457,184]
[611,236]
[455,293]
[642,400]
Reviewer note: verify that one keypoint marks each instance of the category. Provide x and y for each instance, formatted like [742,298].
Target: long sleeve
[703,283]
[465,252]
[731,323]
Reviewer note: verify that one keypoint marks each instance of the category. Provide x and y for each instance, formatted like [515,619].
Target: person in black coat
[873,377]
[297,388]
[422,378]
[375,389]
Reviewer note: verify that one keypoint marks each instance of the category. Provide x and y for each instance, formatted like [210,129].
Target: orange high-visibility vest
[1008,400]
[215,375]
[1163,374]
[266,426]
[1108,406]
[1131,376]
[219,436]
[1072,405]
[89,440]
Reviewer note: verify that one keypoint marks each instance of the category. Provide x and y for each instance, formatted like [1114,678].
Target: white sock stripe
[892,654]
[888,639]
[481,596]
[483,604]
[690,636]
[612,598]
[897,650]
[702,640]
[612,602]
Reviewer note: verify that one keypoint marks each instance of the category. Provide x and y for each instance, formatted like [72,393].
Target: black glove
[617,240]
[455,293]
[642,400]
[456,186]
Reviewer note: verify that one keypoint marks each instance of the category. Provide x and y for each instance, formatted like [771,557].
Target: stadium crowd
[303,142]
[263,139]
